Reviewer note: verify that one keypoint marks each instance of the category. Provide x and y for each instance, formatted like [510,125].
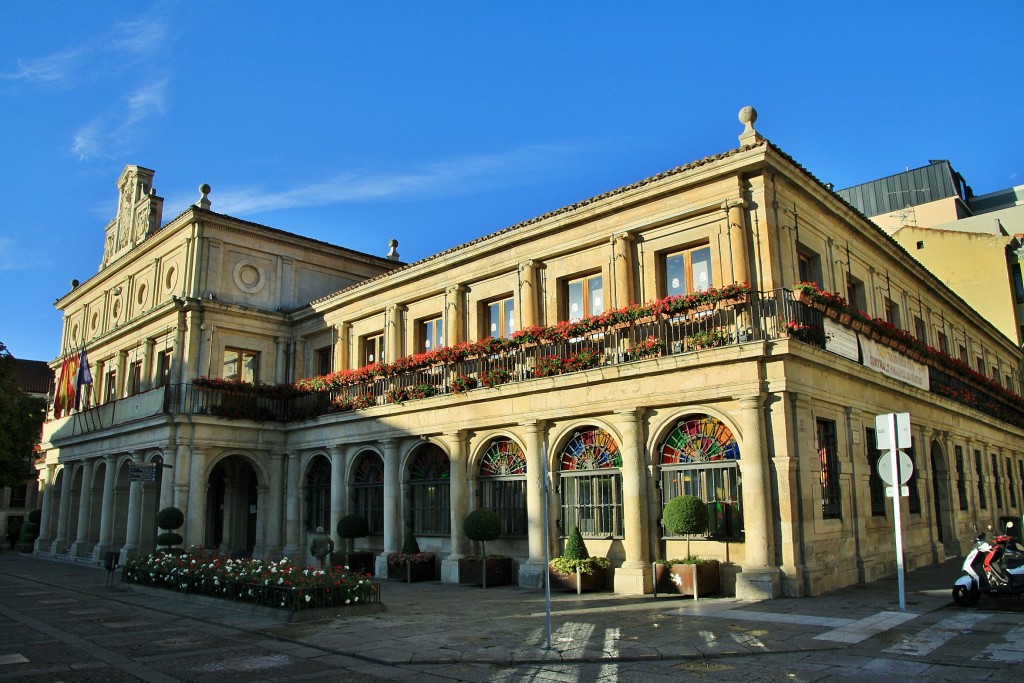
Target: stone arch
[588,468]
[122,493]
[427,482]
[497,481]
[94,509]
[233,503]
[316,493]
[365,479]
[53,517]
[74,498]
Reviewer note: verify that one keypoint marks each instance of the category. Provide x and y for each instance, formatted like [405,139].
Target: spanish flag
[64,399]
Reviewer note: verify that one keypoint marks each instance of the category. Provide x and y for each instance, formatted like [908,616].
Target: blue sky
[437,122]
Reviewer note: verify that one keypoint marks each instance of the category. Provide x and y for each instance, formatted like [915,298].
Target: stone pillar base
[531,575]
[128,554]
[79,549]
[380,566]
[59,547]
[638,580]
[294,553]
[450,570]
[99,552]
[758,584]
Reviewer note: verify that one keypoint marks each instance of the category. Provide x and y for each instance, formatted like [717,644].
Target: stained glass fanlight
[430,464]
[699,438]
[503,458]
[591,449]
[369,469]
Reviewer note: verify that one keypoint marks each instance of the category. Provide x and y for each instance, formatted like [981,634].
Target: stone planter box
[499,572]
[577,582]
[688,579]
[408,572]
[360,562]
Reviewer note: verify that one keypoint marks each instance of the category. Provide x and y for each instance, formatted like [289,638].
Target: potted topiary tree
[576,570]
[29,531]
[687,516]
[351,527]
[483,526]
[410,564]
[169,519]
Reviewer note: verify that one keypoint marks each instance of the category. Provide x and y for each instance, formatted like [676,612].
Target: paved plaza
[59,622]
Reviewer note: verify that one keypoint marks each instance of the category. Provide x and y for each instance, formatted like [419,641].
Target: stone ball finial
[393,250]
[205,189]
[204,196]
[747,116]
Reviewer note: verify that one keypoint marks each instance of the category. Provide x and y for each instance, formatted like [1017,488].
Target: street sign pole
[547,546]
[897,508]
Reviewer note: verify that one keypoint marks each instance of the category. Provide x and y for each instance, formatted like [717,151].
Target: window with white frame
[688,271]
[501,318]
[584,296]
[241,365]
[431,334]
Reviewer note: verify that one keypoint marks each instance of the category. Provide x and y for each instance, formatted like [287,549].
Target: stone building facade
[756,402]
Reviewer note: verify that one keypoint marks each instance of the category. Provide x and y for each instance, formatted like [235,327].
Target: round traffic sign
[885,468]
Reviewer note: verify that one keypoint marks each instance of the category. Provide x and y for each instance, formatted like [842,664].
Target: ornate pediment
[139,212]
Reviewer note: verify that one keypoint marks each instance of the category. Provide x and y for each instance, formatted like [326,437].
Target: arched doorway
[940,496]
[233,498]
[429,491]
[317,495]
[368,490]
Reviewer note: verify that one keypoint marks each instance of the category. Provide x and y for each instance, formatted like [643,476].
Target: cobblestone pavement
[59,622]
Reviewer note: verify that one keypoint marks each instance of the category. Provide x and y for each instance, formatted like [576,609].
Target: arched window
[368,490]
[318,495]
[591,484]
[700,458]
[503,484]
[429,477]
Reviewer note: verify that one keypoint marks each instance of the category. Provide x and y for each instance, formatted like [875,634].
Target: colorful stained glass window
[369,469]
[503,458]
[430,464]
[591,449]
[699,439]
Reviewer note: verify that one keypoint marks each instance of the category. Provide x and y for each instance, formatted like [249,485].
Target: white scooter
[993,568]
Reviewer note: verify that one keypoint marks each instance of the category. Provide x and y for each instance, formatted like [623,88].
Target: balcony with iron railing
[534,354]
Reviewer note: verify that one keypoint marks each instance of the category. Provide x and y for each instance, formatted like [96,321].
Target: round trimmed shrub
[686,515]
[170,518]
[482,525]
[35,516]
[353,526]
[169,539]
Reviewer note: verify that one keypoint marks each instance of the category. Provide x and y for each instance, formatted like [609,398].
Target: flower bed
[280,585]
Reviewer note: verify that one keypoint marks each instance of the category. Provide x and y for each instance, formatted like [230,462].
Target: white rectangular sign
[894,364]
[841,340]
[883,440]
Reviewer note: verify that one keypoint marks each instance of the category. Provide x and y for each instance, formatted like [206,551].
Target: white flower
[308,598]
[677,580]
[347,601]
[280,581]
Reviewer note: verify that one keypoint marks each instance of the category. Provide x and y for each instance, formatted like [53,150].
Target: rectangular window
[1018,283]
[372,349]
[593,503]
[501,318]
[716,485]
[892,312]
[961,478]
[584,297]
[980,364]
[163,368]
[241,365]
[134,384]
[808,266]
[943,343]
[431,510]
[876,487]
[19,495]
[507,497]
[431,334]
[979,472]
[688,271]
[914,499]
[110,391]
[1009,482]
[963,354]
[920,330]
[323,361]
[855,293]
[829,457]
[996,484]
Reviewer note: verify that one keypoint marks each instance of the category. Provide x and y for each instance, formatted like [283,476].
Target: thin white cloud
[14,258]
[141,37]
[85,143]
[52,69]
[458,175]
[108,135]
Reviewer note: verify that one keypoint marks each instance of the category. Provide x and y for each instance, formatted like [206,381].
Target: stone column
[146,380]
[738,239]
[392,505]
[292,540]
[529,296]
[393,332]
[198,489]
[167,476]
[634,577]
[43,541]
[134,530]
[531,573]
[122,371]
[63,513]
[275,512]
[459,505]
[177,373]
[454,330]
[206,350]
[84,509]
[281,360]
[759,578]
[343,332]
[299,360]
[622,267]
[98,380]
[338,490]
[107,515]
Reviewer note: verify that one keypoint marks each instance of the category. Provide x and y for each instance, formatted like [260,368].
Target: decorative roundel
[248,277]
[95,322]
[116,310]
[171,278]
[503,458]
[369,470]
[591,449]
[699,438]
[74,332]
[141,299]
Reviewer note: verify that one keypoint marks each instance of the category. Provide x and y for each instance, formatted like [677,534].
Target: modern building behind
[751,400]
